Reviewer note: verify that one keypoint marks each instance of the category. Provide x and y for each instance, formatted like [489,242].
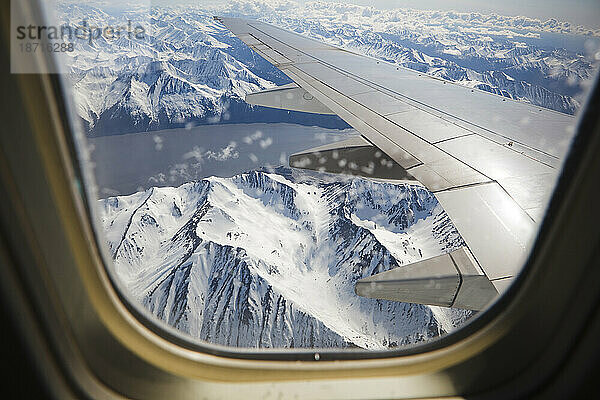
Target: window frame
[51,155]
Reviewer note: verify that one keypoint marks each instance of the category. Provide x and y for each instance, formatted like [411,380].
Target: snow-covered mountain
[187,69]
[190,70]
[270,258]
[502,56]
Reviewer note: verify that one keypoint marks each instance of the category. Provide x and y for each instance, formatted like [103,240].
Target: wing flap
[448,280]
[354,156]
[498,232]
[446,173]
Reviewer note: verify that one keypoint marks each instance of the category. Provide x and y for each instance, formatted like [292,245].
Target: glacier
[269,258]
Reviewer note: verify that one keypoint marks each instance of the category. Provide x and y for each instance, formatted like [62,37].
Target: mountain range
[269,258]
[191,70]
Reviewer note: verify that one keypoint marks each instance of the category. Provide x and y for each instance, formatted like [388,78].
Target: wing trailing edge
[448,280]
[354,156]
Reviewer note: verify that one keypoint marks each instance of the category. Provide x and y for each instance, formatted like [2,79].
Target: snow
[212,257]
[270,258]
[190,68]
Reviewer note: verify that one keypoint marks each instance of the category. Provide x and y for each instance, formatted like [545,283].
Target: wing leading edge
[490,161]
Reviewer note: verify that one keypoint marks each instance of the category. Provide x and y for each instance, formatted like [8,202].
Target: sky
[579,12]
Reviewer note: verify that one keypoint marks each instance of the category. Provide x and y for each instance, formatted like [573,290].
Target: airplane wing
[490,161]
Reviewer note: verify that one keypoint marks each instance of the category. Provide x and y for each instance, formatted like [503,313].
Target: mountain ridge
[269,258]
[191,70]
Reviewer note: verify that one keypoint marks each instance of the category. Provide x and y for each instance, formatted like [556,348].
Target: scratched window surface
[222,220]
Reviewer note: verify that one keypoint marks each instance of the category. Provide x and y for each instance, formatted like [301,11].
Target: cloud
[200,155]
[224,154]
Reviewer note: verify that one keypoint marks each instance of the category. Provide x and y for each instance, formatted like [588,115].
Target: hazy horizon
[577,12]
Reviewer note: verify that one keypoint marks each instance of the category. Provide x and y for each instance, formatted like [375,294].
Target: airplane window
[299,175]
